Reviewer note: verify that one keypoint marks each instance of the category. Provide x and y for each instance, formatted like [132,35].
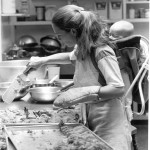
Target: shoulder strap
[101,78]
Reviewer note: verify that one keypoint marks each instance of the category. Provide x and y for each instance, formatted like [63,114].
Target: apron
[107,118]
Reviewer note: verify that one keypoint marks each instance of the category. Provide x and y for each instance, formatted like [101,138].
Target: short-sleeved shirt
[86,74]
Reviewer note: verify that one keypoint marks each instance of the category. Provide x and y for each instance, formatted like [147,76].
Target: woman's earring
[73,32]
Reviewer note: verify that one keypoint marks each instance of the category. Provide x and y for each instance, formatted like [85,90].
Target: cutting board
[18,83]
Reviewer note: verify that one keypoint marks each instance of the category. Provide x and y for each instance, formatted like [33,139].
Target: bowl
[44,94]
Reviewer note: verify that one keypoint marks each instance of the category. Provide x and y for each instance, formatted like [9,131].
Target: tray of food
[32,117]
[54,136]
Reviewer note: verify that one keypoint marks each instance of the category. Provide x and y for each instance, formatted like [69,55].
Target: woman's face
[67,38]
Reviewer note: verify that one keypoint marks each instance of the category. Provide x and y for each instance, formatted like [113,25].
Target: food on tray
[50,137]
[37,116]
[79,138]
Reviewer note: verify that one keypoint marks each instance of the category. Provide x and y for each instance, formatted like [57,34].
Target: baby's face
[114,35]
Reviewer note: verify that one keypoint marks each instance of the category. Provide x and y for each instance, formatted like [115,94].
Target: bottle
[40,13]
[50,11]
[131,13]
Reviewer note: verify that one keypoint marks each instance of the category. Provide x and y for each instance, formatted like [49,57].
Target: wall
[6,41]
[142,28]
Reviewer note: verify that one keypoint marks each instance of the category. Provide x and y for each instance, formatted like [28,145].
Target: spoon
[53,79]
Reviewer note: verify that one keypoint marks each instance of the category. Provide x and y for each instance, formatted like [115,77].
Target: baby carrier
[128,54]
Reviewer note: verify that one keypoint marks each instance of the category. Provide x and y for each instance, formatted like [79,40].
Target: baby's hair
[122,29]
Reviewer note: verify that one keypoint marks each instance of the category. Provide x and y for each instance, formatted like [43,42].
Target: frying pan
[48,93]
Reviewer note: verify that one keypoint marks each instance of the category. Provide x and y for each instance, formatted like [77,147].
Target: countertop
[30,104]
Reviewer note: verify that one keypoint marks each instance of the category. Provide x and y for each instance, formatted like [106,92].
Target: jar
[131,13]
[50,11]
[8,6]
[142,12]
[40,13]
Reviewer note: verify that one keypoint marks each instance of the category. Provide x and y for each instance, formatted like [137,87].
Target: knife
[18,83]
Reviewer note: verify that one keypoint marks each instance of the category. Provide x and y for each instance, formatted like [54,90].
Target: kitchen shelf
[137,2]
[22,23]
[15,15]
[138,20]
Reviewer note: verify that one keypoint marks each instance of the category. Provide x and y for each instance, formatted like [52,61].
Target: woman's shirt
[86,74]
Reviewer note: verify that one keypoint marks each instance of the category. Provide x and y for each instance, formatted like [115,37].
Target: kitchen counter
[31,105]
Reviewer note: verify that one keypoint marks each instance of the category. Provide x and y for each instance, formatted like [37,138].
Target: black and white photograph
[74,74]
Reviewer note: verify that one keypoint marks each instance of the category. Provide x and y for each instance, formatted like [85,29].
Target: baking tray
[41,136]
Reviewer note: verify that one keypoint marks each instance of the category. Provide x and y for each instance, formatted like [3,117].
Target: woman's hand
[35,62]
[77,95]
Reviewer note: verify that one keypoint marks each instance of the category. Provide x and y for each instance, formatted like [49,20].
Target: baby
[120,30]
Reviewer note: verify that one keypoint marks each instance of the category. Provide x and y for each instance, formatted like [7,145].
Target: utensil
[45,82]
[53,79]
[21,81]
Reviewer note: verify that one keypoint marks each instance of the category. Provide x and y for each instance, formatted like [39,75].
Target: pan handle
[67,86]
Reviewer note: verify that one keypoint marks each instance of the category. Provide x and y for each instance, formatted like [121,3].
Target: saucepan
[47,93]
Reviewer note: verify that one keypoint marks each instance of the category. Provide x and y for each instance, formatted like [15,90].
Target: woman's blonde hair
[91,30]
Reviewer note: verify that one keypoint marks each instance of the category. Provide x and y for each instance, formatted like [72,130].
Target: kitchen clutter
[138,13]
[37,12]
[21,83]
[27,46]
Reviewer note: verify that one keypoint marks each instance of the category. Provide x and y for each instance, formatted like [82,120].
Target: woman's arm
[110,92]
[108,64]
[59,58]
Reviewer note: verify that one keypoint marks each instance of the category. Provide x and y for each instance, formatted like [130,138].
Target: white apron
[107,119]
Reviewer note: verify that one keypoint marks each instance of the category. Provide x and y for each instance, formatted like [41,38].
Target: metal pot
[27,41]
[48,93]
[50,43]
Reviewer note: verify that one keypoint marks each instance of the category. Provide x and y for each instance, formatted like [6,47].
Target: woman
[87,32]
